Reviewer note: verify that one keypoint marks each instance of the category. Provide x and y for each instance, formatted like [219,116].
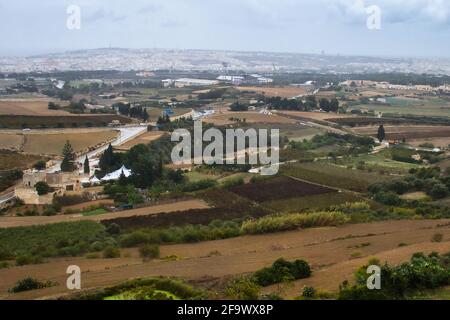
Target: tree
[108,160]
[334,105]
[40,165]
[122,179]
[145,115]
[67,165]
[381,135]
[87,169]
[324,104]
[42,188]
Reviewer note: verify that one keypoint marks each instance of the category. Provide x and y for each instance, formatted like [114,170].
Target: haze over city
[408,28]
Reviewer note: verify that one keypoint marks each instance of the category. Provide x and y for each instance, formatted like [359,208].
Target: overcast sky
[408,27]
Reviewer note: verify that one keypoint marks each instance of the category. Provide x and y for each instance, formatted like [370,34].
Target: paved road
[6,197]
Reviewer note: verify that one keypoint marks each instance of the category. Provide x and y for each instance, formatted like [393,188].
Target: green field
[381,163]
[316,202]
[61,239]
[404,106]
[332,175]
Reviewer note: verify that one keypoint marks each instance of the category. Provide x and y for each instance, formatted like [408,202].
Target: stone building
[60,182]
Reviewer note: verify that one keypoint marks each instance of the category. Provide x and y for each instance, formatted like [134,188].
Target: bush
[28,259]
[28,284]
[40,165]
[113,229]
[149,251]
[42,188]
[438,191]
[309,292]
[421,273]
[279,223]
[438,237]
[243,289]
[111,253]
[281,271]
[388,198]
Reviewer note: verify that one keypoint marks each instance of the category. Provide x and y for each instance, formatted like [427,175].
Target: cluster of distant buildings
[387,85]
[251,79]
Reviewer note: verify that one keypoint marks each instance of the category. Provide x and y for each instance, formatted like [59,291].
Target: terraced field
[333,176]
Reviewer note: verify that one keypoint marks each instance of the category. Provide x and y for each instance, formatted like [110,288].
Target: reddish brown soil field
[328,250]
[278,188]
[8,222]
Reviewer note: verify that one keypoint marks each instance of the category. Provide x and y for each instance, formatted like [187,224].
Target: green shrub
[243,289]
[60,239]
[437,237]
[28,284]
[42,188]
[149,251]
[282,271]
[279,223]
[421,273]
[28,259]
[111,253]
[309,293]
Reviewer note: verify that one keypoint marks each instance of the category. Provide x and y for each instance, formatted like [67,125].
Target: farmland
[410,106]
[73,121]
[284,92]
[313,202]
[286,188]
[329,251]
[51,142]
[225,118]
[333,176]
[407,132]
[29,107]
[12,160]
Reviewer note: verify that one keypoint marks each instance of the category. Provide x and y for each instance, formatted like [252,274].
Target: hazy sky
[408,27]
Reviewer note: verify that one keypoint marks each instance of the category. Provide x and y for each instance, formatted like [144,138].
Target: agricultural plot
[314,202]
[334,176]
[53,143]
[10,160]
[72,121]
[323,116]
[284,92]
[331,247]
[409,106]
[226,118]
[30,107]
[278,188]
[407,132]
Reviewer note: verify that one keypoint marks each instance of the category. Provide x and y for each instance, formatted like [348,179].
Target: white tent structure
[114,176]
[95,180]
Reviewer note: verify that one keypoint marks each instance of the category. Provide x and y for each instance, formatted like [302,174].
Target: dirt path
[328,250]
[8,222]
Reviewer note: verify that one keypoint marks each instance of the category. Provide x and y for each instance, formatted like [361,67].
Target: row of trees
[329,105]
[136,112]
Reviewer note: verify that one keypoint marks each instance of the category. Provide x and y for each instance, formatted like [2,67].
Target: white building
[189,82]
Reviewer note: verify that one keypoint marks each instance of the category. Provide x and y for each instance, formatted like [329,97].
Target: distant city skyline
[417,28]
